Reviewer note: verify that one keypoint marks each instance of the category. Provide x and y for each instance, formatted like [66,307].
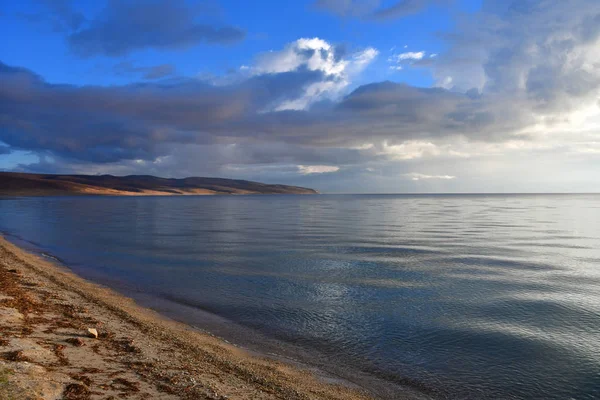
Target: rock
[77,342]
[92,333]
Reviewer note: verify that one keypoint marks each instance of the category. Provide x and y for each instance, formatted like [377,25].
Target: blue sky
[269,25]
[341,95]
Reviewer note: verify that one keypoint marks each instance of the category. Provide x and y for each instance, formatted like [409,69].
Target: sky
[344,96]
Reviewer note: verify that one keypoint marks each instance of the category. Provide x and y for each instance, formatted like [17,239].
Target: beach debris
[127,345]
[75,341]
[86,380]
[16,355]
[13,271]
[92,332]
[75,391]
[59,352]
[124,385]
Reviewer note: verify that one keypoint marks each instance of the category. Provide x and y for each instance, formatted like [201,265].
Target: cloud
[153,72]
[405,8]
[409,150]
[159,71]
[532,50]
[314,54]
[518,86]
[317,169]
[411,55]
[59,14]
[125,26]
[414,176]
[5,150]
[373,10]
[347,8]
[107,124]
[143,121]
[411,58]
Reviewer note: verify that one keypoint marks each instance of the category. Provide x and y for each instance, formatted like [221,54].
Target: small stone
[92,333]
[77,342]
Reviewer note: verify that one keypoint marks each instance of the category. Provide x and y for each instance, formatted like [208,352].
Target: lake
[451,296]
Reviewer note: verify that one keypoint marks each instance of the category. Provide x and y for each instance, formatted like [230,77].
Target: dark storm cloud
[108,124]
[140,121]
[153,72]
[390,112]
[125,26]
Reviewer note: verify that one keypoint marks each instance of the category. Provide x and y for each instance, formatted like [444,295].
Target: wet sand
[47,353]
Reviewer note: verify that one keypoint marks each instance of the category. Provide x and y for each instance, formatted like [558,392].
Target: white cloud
[408,150]
[314,54]
[407,58]
[414,176]
[446,83]
[411,55]
[363,58]
[316,169]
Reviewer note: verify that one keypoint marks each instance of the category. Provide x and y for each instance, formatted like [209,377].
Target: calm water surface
[466,297]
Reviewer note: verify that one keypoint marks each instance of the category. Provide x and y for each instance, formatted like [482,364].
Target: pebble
[92,333]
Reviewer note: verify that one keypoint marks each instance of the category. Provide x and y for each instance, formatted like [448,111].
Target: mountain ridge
[25,184]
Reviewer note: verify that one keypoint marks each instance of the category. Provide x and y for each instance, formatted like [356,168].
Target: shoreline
[247,339]
[45,310]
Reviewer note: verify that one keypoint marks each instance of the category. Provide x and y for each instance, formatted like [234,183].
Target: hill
[21,184]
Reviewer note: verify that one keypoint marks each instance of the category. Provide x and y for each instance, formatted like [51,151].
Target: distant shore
[47,351]
[22,184]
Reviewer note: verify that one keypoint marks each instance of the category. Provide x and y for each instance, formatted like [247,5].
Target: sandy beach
[46,351]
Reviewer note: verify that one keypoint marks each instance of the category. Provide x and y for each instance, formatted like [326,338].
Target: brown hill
[20,184]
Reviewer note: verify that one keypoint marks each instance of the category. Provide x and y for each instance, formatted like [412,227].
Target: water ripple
[461,297]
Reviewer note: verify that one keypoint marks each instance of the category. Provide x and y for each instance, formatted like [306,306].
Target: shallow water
[466,296]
